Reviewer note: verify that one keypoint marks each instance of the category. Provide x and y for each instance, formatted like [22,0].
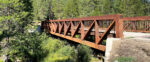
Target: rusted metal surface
[98,27]
[81,29]
[91,44]
[137,24]
[140,18]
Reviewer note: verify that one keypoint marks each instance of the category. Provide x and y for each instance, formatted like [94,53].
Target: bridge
[93,31]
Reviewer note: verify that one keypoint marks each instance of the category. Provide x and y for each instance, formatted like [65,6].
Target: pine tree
[130,7]
[84,8]
[146,7]
[71,9]
[12,16]
[58,8]
[42,9]
[98,7]
[108,6]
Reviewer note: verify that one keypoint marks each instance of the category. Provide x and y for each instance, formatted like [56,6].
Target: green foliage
[131,7]
[90,7]
[65,54]
[83,8]
[53,44]
[84,53]
[108,7]
[77,36]
[13,18]
[27,46]
[1,60]
[58,8]
[125,59]
[16,16]
[42,9]
[12,14]
[71,9]
[59,51]
[1,32]
[93,59]
[104,42]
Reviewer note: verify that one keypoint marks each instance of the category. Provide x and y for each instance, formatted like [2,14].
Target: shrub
[27,46]
[59,51]
[52,45]
[84,53]
[64,54]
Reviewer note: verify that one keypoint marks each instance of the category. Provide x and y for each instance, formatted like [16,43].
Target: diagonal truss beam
[106,32]
[60,27]
[77,29]
[66,28]
[89,29]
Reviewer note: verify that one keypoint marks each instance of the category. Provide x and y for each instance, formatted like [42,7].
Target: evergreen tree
[146,7]
[42,10]
[98,7]
[108,6]
[84,8]
[71,9]
[58,8]
[130,7]
[133,8]
[84,53]
[12,17]
[27,47]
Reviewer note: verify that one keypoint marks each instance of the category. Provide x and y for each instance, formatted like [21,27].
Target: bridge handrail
[137,24]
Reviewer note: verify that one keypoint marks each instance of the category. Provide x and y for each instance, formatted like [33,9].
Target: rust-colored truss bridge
[93,31]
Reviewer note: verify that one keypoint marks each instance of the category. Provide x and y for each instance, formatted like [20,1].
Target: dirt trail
[135,48]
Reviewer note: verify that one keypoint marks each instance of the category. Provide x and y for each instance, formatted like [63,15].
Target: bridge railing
[137,24]
[81,29]
[92,31]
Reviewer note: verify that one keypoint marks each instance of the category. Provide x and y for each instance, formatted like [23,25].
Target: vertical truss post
[119,26]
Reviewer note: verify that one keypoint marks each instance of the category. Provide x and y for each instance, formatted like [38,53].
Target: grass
[130,37]
[125,59]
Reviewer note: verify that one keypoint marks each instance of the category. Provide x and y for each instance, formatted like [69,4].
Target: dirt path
[137,49]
